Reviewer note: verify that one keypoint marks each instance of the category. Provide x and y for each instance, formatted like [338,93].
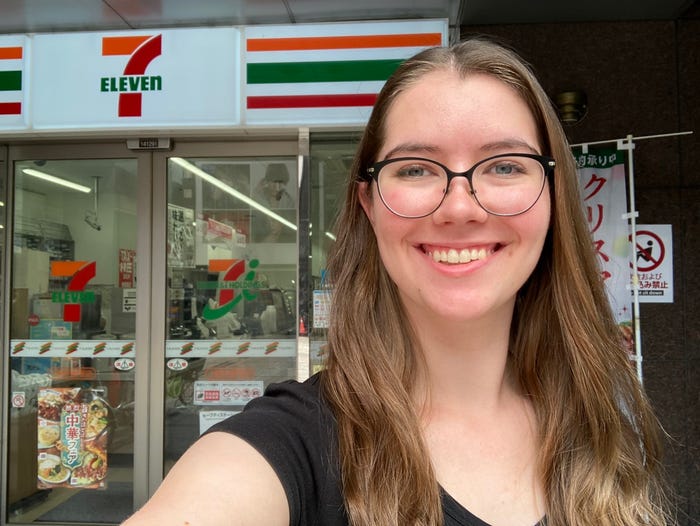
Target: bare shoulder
[220,480]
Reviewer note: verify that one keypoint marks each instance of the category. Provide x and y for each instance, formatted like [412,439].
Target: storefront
[168,201]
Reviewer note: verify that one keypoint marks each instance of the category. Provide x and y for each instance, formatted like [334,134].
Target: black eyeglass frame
[548,165]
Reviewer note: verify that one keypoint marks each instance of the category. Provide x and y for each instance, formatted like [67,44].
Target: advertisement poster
[127,268]
[602,178]
[72,433]
[653,251]
[181,237]
[322,308]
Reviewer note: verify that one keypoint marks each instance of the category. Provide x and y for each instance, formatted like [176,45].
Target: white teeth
[463,256]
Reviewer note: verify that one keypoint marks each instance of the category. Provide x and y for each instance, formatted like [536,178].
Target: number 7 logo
[81,272]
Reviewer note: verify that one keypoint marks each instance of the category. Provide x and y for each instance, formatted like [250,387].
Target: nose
[459,204]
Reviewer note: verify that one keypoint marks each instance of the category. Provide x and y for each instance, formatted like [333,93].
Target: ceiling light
[572,106]
[231,191]
[57,180]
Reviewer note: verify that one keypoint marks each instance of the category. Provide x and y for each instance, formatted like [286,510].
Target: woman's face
[458,122]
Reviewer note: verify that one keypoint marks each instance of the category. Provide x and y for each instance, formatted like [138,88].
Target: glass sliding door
[72,340]
[231,313]
[331,158]
[152,294]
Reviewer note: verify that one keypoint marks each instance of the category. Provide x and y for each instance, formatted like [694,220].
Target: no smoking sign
[653,253]
[19,400]
[649,251]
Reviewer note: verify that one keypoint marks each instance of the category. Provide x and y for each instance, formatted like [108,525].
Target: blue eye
[411,171]
[504,169]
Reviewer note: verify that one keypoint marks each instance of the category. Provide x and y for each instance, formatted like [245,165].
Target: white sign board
[653,252]
[13,82]
[324,74]
[136,79]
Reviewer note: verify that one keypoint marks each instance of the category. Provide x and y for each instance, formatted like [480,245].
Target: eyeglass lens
[504,185]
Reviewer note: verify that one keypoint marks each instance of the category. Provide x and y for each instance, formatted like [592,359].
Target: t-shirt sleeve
[294,431]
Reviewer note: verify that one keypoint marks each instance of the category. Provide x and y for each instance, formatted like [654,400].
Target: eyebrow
[509,144]
[411,148]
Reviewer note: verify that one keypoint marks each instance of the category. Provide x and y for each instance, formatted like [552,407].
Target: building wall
[642,78]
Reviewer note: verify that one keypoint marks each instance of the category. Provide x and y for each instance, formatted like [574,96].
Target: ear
[364,196]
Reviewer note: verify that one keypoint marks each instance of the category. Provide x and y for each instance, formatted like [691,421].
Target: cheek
[537,227]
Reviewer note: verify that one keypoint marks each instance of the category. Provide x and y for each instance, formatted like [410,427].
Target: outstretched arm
[220,480]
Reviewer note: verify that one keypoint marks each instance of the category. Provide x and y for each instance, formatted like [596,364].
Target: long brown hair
[600,442]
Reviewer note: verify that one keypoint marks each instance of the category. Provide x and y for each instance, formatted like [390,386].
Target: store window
[232,262]
[72,341]
[330,164]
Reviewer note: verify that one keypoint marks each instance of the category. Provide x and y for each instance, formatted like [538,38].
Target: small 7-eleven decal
[233,269]
[80,272]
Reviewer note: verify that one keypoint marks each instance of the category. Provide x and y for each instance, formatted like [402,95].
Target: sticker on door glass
[227,392]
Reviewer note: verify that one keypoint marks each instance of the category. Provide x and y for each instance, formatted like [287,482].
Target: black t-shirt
[295,431]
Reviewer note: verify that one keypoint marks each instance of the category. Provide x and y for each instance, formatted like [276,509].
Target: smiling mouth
[453,256]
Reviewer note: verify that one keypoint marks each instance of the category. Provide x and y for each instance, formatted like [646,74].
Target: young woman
[475,375]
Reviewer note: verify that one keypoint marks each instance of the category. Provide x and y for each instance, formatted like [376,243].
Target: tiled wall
[643,78]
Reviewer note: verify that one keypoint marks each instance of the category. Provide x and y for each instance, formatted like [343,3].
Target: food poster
[72,431]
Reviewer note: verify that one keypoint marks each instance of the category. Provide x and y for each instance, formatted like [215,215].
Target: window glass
[72,324]
[330,160]
[231,282]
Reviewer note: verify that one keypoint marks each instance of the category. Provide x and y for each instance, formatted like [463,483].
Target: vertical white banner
[604,192]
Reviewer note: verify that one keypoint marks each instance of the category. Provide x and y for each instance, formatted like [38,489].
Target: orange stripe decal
[122,45]
[220,265]
[344,42]
[66,268]
[10,52]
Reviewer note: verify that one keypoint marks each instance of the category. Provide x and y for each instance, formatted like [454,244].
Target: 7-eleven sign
[80,272]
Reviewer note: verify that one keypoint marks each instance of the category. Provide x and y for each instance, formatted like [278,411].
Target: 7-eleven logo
[233,269]
[80,272]
[141,50]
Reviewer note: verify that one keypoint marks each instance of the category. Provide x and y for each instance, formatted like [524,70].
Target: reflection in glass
[231,310]
[331,160]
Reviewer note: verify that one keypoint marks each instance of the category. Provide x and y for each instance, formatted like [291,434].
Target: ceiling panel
[26,16]
[324,11]
[174,13]
[35,16]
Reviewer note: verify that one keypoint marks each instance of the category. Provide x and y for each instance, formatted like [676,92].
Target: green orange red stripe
[329,71]
[9,53]
[310,101]
[343,42]
[10,108]
[10,80]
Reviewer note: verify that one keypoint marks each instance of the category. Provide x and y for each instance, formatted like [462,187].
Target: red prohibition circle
[654,262]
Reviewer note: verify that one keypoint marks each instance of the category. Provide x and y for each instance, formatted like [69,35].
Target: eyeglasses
[503,185]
